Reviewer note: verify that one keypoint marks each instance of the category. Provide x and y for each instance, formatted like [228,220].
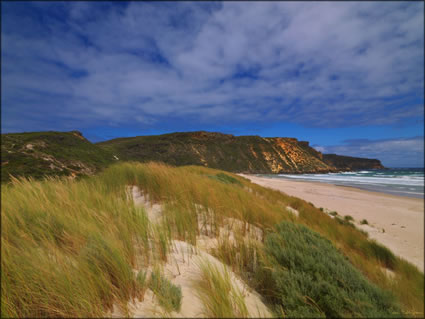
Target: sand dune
[183,268]
[395,221]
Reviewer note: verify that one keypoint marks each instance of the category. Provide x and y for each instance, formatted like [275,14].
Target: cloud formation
[399,152]
[82,64]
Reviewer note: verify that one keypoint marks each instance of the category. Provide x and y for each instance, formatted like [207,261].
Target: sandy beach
[395,221]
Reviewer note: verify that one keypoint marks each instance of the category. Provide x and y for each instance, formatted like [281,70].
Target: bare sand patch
[183,269]
[153,210]
[183,265]
[395,221]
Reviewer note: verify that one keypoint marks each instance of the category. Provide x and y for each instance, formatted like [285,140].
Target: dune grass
[66,249]
[220,298]
[69,246]
[169,295]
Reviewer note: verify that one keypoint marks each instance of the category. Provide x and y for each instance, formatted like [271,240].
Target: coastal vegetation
[364,222]
[313,279]
[40,154]
[70,247]
[169,295]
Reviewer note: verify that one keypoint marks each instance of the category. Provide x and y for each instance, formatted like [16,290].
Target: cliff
[348,163]
[248,154]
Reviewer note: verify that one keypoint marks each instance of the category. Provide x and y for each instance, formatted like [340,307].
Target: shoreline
[393,220]
[361,187]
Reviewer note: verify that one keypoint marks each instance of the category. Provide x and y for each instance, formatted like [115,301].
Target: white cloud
[323,64]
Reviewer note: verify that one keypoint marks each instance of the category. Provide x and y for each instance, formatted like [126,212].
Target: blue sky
[346,76]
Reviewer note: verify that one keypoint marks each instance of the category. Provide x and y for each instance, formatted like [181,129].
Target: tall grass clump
[373,249]
[67,248]
[220,298]
[168,294]
[313,279]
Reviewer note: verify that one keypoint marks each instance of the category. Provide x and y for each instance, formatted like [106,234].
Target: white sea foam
[395,181]
[402,180]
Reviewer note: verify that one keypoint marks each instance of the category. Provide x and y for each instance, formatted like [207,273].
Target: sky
[346,76]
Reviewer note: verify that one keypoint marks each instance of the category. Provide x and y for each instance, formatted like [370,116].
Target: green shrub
[344,222]
[348,218]
[364,222]
[169,295]
[312,279]
[334,213]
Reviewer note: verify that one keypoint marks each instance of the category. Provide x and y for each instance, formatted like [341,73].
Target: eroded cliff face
[295,157]
[248,154]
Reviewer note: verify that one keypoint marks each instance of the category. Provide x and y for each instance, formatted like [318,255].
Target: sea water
[397,181]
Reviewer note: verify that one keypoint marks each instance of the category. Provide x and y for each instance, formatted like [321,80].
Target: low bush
[364,222]
[344,222]
[348,218]
[312,279]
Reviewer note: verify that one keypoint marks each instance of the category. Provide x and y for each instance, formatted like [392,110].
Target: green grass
[169,295]
[224,178]
[375,250]
[68,246]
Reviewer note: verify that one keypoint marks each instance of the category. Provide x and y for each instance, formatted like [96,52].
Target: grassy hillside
[39,154]
[249,154]
[70,247]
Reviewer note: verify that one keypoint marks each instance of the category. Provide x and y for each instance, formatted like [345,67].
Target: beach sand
[396,222]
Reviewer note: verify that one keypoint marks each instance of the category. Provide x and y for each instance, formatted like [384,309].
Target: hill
[39,154]
[244,154]
[348,163]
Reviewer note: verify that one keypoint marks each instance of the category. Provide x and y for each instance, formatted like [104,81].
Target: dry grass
[68,247]
[220,298]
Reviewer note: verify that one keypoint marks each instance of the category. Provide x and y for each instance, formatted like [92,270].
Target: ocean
[396,181]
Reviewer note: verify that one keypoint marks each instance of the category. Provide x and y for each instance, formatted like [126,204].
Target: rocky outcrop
[348,163]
